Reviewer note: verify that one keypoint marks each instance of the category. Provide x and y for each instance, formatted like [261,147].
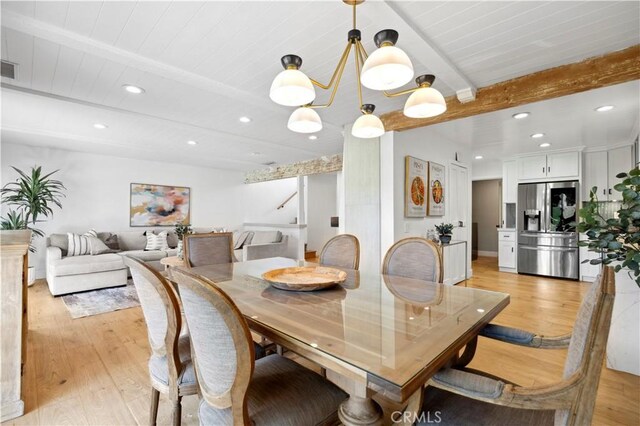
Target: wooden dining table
[374,333]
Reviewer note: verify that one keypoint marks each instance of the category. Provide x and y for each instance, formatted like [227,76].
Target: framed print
[415,172]
[435,196]
[158,205]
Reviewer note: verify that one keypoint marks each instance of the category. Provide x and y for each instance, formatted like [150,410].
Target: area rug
[101,301]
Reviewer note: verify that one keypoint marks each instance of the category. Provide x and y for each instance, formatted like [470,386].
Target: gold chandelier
[387,68]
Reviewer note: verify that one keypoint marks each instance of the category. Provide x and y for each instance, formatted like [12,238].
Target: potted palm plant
[617,241]
[444,232]
[31,199]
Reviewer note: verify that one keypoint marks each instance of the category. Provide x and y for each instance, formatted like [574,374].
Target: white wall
[262,200]
[97,193]
[486,169]
[321,205]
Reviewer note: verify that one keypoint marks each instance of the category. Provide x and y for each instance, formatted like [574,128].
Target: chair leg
[153,413]
[177,411]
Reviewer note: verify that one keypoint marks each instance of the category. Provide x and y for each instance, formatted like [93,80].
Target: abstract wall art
[158,205]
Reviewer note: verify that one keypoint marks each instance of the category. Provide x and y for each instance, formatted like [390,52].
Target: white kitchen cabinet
[619,160]
[601,168]
[595,174]
[533,167]
[550,166]
[563,165]
[454,262]
[509,181]
[507,250]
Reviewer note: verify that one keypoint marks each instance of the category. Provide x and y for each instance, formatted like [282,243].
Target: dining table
[373,333]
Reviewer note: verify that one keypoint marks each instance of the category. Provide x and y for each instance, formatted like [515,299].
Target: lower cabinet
[507,250]
[454,259]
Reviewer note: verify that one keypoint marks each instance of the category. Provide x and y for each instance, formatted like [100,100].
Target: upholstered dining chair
[342,251]
[208,249]
[235,389]
[170,366]
[468,396]
[416,258]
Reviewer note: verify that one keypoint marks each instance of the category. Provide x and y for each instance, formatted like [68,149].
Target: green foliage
[34,196]
[444,229]
[616,239]
[182,230]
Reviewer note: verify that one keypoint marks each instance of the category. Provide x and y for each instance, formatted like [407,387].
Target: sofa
[71,274]
[251,245]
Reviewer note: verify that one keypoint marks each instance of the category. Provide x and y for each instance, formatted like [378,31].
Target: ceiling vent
[8,70]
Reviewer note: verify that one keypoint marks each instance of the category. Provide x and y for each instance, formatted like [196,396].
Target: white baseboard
[487,253]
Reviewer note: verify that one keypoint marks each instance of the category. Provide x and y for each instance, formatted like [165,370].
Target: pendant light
[388,67]
[292,87]
[368,125]
[426,101]
[304,120]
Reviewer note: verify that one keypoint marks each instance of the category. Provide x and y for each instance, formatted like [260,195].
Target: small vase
[445,239]
[180,249]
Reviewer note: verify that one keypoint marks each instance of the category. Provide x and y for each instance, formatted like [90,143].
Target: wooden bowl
[304,278]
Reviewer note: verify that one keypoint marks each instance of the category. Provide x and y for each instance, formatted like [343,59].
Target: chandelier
[387,68]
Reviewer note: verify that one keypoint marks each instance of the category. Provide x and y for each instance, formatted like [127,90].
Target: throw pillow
[156,241]
[110,240]
[79,245]
[91,233]
[97,246]
[242,238]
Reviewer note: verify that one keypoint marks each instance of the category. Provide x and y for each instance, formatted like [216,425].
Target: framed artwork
[435,196]
[415,172]
[158,205]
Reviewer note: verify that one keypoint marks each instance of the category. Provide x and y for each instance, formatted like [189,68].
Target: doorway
[486,217]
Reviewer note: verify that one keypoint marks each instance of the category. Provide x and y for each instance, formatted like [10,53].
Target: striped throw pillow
[79,245]
[157,241]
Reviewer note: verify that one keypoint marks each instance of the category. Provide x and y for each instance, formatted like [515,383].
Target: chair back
[587,347]
[208,249]
[342,251]
[161,310]
[416,258]
[221,344]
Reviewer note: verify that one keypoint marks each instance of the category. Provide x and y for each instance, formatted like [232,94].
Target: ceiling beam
[601,71]
[79,42]
[418,46]
[323,164]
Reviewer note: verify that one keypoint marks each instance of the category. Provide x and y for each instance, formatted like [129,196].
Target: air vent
[269,163]
[8,70]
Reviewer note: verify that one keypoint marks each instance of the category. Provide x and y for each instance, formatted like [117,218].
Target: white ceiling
[205,64]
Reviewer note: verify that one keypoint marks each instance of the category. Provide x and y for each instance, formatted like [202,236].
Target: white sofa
[72,274]
[251,245]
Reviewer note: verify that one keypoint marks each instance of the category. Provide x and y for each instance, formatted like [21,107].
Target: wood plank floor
[93,370]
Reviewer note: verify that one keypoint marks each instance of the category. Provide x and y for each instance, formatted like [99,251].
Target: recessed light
[133,89]
[604,108]
[313,137]
[480,310]
[520,115]
[537,135]
[478,157]
[245,120]
[545,145]
[192,142]
[100,126]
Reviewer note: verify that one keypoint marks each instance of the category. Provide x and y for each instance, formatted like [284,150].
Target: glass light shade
[367,126]
[425,102]
[386,68]
[292,88]
[304,120]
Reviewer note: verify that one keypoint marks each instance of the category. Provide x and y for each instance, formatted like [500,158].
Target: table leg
[360,411]
[414,407]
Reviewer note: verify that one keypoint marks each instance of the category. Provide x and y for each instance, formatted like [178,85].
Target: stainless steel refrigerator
[547,238]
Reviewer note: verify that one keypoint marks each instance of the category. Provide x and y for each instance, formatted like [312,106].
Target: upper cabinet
[556,165]
[601,168]
[509,181]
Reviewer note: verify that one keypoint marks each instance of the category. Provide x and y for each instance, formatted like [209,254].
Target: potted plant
[181,230]
[617,242]
[444,232]
[32,198]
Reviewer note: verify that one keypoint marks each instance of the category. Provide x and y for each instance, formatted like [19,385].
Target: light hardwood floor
[93,370]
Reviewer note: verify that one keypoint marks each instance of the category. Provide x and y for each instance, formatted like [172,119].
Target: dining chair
[235,389]
[342,251]
[469,396]
[208,249]
[170,365]
[416,258]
